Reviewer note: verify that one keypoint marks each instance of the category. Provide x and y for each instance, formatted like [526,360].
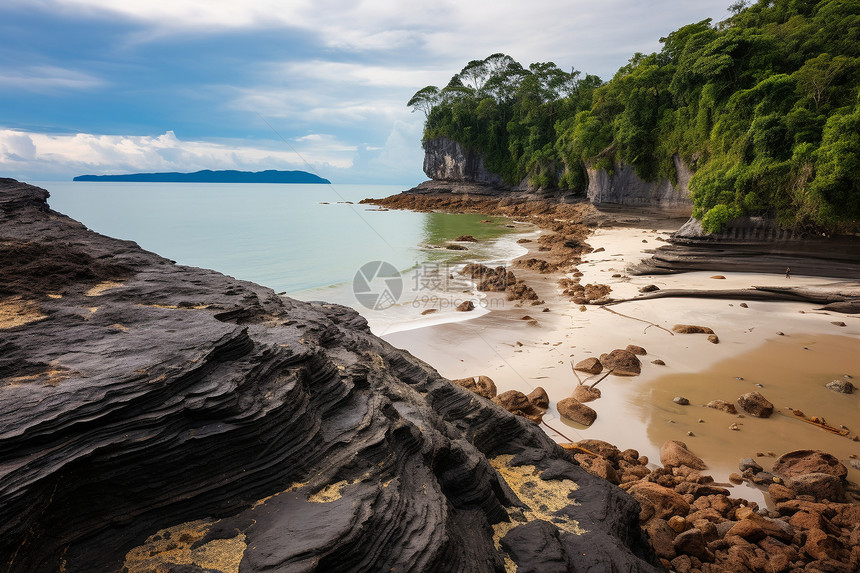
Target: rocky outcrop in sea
[157,417]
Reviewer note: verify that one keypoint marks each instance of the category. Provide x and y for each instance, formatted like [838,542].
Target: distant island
[209,176]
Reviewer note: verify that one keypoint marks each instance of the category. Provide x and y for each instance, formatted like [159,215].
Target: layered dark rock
[161,417]
[754,244]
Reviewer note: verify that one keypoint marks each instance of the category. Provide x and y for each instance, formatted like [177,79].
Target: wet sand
[638,412]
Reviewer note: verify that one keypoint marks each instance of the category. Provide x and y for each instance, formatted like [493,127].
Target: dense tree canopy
[764,107]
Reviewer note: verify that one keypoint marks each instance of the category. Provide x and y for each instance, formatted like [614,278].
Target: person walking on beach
[788,272]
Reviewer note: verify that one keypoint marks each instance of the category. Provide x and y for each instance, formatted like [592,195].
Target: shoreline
[540,350]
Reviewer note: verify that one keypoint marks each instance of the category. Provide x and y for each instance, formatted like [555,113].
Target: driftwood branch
[639,319]
[765,293]
[575,373]
[601,379]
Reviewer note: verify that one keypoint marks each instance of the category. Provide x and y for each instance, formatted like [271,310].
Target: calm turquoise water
[305,240]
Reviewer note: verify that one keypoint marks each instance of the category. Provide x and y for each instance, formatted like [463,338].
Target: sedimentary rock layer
[168,418]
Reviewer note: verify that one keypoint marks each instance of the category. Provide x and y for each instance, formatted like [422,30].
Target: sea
[310,242]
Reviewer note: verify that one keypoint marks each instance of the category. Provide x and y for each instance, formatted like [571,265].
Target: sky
[126,86]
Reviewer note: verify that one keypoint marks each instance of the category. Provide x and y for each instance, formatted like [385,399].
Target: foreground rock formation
[165,418]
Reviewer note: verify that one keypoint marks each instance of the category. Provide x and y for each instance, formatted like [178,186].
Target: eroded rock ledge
[161,417]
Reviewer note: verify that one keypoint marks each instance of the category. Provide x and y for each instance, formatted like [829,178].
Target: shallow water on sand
[308,241]
[792,371]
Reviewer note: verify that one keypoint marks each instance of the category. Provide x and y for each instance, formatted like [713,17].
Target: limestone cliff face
[447,160]
[625,187]
[156,417]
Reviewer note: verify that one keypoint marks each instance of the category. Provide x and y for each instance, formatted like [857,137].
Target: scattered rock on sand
[576,411]
[456,248]
[539,397]
[649,288]
[821,486]
[466,239]
[590,365]
[621,362]
[841,386]
[522,241]
[675,453]
[691,329]
[429,311]
[585,393]
[482,386]
[743,305]
[598,250]
[749,464]
[638,350]
[719,277]
[658,362]
[723,406]
[755,404]
[839,323]
[466,306]
[518,403]
[800,462]
[658,501]
[713,339]
[681,401]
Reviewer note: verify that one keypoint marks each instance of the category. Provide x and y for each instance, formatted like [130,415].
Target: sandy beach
[787,351]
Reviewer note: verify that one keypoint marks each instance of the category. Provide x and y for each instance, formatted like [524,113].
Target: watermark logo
[377,285]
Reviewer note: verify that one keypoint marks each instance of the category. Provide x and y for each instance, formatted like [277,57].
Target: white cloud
[47,79]
[41,155]
[594,37]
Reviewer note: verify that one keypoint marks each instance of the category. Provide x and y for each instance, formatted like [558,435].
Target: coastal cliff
[162,417]
[447,162]
[624,187]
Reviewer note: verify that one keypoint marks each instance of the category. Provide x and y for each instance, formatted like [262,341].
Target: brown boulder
[779,493]
[512,400]
[723,406]
[691,329]
[590,365]
[466,239]
[754,527]
[584,393]
[820,486]
[661,536]
[484,386]
[692,543]
[518,403]
[538,397]
[675,453]
[601,448]
[841,386]
[622,362]
[800,462]
[466,306]
[779,555]
[576,411]
[638,350]
[819,545]
[755,404]
[657,501]
[598,466]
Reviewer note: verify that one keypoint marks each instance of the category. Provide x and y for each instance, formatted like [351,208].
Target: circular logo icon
[377,285]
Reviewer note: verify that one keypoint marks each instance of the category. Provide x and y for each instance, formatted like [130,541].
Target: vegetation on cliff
[764,107]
